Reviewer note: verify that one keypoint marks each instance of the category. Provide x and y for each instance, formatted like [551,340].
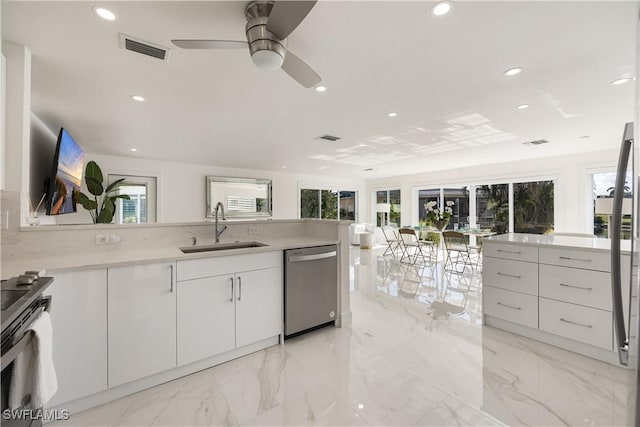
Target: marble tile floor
[416,354]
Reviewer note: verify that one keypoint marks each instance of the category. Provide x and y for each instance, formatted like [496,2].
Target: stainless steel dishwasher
[311,288]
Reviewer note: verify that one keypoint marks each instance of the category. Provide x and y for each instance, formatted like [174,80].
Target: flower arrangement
[437,217]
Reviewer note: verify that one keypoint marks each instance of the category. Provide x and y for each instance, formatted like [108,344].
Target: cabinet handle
[509,306]
[239,288]
[171,268]
[508,275]
[575,259]
[509,252]
[576,287]
[231,299]
[575,323]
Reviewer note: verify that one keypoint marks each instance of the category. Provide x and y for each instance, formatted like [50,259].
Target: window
[141,206]
[328,204]
[460,198]
[603,193]
[492,207]
[388,207]
[533,207]
[487,206]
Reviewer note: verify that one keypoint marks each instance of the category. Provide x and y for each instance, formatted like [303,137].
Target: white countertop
[589,243]
[115,257]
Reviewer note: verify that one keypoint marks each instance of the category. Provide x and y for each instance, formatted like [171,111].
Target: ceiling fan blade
[287,15]
[300,71]
[210,44]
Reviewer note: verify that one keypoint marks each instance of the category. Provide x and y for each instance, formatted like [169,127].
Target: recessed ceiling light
[134,149]
[522,106]
[284,167]
[137,98]
[362,145]
[621,81]
[321,88]
[513,71]
[441,8]
[104,13]
[392,114]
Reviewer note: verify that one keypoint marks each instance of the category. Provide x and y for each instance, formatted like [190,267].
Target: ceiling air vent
[144,47]
[329,138]
[536,142]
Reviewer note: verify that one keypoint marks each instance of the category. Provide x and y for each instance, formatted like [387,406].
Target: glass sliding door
[387,207]
[425,196]
[460,198]
[394,208]
[533,207]
[492,207]
[348,205]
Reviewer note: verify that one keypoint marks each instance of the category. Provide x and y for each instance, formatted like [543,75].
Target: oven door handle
[45,302]
[14,351]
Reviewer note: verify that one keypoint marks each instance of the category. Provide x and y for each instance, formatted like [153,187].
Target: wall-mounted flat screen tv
[66,176]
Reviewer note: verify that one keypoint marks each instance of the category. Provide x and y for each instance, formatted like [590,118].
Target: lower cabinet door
[206,318]
[258,305]
[515,307]
[578,323]
[79,320]
[142,321]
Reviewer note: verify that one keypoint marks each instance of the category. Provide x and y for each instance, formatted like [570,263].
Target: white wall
[572,203]
[181,187]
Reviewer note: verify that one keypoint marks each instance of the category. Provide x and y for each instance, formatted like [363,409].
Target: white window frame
[322,188]
[153,200]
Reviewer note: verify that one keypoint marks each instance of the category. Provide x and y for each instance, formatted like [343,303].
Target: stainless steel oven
[21,306]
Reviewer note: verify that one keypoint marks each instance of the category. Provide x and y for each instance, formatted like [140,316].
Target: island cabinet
[142,321]
[227,303]
[561,295]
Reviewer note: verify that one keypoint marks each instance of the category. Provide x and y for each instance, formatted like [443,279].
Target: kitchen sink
[221,247]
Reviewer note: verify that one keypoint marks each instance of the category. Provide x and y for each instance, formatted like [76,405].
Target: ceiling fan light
[267,60]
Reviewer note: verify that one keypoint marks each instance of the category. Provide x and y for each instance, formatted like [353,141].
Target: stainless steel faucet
[219,231]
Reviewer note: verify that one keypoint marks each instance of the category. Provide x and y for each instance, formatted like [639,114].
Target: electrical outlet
[252,231]
[102,239]
[4,220]
[113,238]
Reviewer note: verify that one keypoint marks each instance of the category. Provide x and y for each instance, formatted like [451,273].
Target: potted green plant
[102,206]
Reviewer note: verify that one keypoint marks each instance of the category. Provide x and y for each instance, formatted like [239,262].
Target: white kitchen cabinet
[206,318]
[227,302]
[142,321]
[258,305]
[79,320]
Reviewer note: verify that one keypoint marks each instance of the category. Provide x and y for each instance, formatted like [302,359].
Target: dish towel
[33,370]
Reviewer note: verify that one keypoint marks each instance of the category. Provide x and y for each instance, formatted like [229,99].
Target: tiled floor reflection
[416,354]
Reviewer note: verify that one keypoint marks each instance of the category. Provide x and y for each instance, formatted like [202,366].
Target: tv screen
[66,176]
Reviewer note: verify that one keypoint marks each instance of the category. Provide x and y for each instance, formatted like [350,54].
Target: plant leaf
[105,217]
[115,184]
[93,171]
[94,186]
[86,202]
[121,196]
[108,205]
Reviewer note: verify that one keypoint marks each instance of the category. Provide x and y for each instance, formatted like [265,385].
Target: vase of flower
[441,224]
[436,217]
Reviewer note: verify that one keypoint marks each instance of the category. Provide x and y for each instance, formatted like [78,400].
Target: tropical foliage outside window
[533,207]
[328,204]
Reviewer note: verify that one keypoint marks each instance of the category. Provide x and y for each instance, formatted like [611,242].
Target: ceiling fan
[269,23]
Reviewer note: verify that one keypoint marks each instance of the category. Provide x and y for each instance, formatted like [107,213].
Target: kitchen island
[555,289]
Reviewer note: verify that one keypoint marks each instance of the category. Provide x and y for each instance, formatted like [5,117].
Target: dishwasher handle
[302,258]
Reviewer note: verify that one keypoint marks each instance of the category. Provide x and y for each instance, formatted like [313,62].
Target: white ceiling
[443,75]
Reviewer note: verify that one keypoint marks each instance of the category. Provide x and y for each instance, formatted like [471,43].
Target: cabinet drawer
[577,286]
[589,260]
[217,266]
[514,252]
[511,275]
[588,325]
[512,306]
